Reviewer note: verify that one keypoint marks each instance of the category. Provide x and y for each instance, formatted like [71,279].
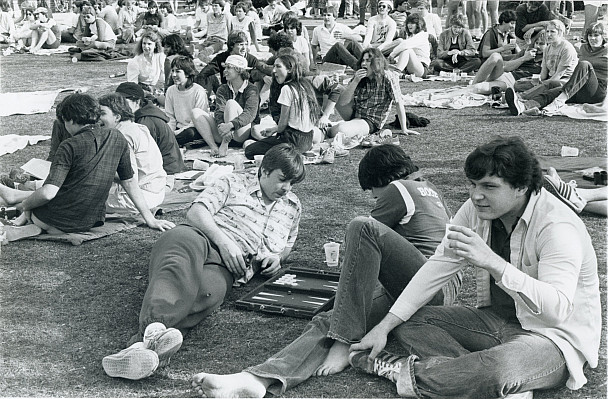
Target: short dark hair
[507,16]
[458,20]
[234,38]
[507,158]
[279,40]
[598,28]
[286,158]
[167,6]
[186,64]
[118,105]
[415,19]
[384,164]
[81,109]
[176,45]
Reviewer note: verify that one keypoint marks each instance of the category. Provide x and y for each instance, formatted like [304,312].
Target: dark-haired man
[500,39]
[336,42]
[241,225]
[537,323]
[532,18]
[73,196]
[388,248]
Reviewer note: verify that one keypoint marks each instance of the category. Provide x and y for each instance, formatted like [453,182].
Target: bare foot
[240,385]
[214,151]
[223,150]
[336,360]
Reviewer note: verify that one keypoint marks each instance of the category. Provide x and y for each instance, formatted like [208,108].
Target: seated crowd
[538,320]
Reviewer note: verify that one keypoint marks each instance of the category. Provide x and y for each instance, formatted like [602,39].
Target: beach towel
[13,142]
[576,111]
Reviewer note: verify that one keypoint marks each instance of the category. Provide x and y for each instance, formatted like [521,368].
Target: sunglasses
[382,6]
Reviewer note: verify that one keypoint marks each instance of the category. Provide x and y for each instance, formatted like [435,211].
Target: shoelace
[387,366]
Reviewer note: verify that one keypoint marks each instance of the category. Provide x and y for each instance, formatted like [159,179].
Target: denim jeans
[344,54]
[373,8]
[373,252]
[467,352]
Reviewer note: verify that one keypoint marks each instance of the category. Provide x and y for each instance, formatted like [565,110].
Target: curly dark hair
[507,158]
[384,164]
[81,109]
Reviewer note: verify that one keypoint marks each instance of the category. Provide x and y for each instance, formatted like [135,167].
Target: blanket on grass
[576,111]
[31,102]
[115,223]
[456,97]
[13,142]
[572,168]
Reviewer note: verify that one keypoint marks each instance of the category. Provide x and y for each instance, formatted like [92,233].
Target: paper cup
[569,151]
[449,251]
[258,160]
[332,253]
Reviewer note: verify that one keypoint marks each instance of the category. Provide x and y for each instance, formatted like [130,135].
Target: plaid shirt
[237,206]
[83,168]
[373,100]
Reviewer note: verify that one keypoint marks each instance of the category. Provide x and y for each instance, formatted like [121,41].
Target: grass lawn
[63,308]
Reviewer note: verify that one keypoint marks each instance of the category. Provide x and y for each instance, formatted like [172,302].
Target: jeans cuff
[277,388]
[406,382]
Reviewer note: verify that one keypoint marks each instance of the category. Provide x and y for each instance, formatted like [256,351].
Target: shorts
[507,78]
[372,126]
[55,45]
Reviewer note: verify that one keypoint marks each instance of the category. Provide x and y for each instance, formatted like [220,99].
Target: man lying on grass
[382,254]
[73,196]
[537,323]
[242,224]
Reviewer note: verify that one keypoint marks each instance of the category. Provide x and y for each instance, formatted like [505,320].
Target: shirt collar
[527,215]
[241,89]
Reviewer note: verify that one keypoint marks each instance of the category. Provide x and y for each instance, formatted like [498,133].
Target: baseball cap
[237,61]
[130,89]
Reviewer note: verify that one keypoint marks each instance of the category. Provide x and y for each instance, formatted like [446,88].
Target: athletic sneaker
[134,363]
[566,192]
[368,140]
[516,106]
[328,155]
[162,340]
[384,365]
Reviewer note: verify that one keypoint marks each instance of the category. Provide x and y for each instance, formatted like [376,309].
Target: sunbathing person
[243,224]
[586,85]
[144,153]
[73,196]
[456,49]
[101,35]
[381,254]
[592,200]
[46,34]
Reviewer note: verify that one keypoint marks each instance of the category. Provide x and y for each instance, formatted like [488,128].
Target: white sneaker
[552,108]
[521,395]
[162,340]
[134,363]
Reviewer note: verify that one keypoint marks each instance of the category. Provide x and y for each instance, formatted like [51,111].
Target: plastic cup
[332,253]
[569,151]
[258,160]
[449,251]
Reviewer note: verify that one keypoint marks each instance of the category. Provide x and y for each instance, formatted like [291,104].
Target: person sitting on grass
[237,105]
[149,115]
[335,42]
[73,196]
[23,29]
[293,27]
[497,40]
[218,27]
[147,68]
[187,105]
[587,84]
[532,18]
[173,45]
[496,72]
[7,24]
[237,45]
[151,20]
[199,29]
[145,156]
[101,35]
[456,49]
[591,200]
[413,52]
[381,29]
[243,224]
[365,104]
[242,22]
[127,17]
[46,33]
[381,255]
[299,110]
[272,17]
[432,21]
[169,25]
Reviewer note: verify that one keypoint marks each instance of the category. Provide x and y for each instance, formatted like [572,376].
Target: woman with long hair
[300,110]
[173,45]
[413,54]
[147,68]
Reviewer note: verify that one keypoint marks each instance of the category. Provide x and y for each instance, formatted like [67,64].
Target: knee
[358,224]
[198,113]
[494,58]
[232,106]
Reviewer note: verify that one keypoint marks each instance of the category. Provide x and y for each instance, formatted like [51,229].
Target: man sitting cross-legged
[537,323]
[73,196]
[235,228]
[389,247]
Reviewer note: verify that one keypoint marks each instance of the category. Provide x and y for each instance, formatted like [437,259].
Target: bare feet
[240,385]
[223,150]
[336,360]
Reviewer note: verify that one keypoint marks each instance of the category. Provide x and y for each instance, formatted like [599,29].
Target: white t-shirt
[242,26]
[179,104]
[433,24]
[140,70]
[324,38]
[297,120]
[381,28]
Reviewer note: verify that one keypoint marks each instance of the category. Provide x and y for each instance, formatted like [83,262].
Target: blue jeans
[373,252]
[344,54]
[467,352]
